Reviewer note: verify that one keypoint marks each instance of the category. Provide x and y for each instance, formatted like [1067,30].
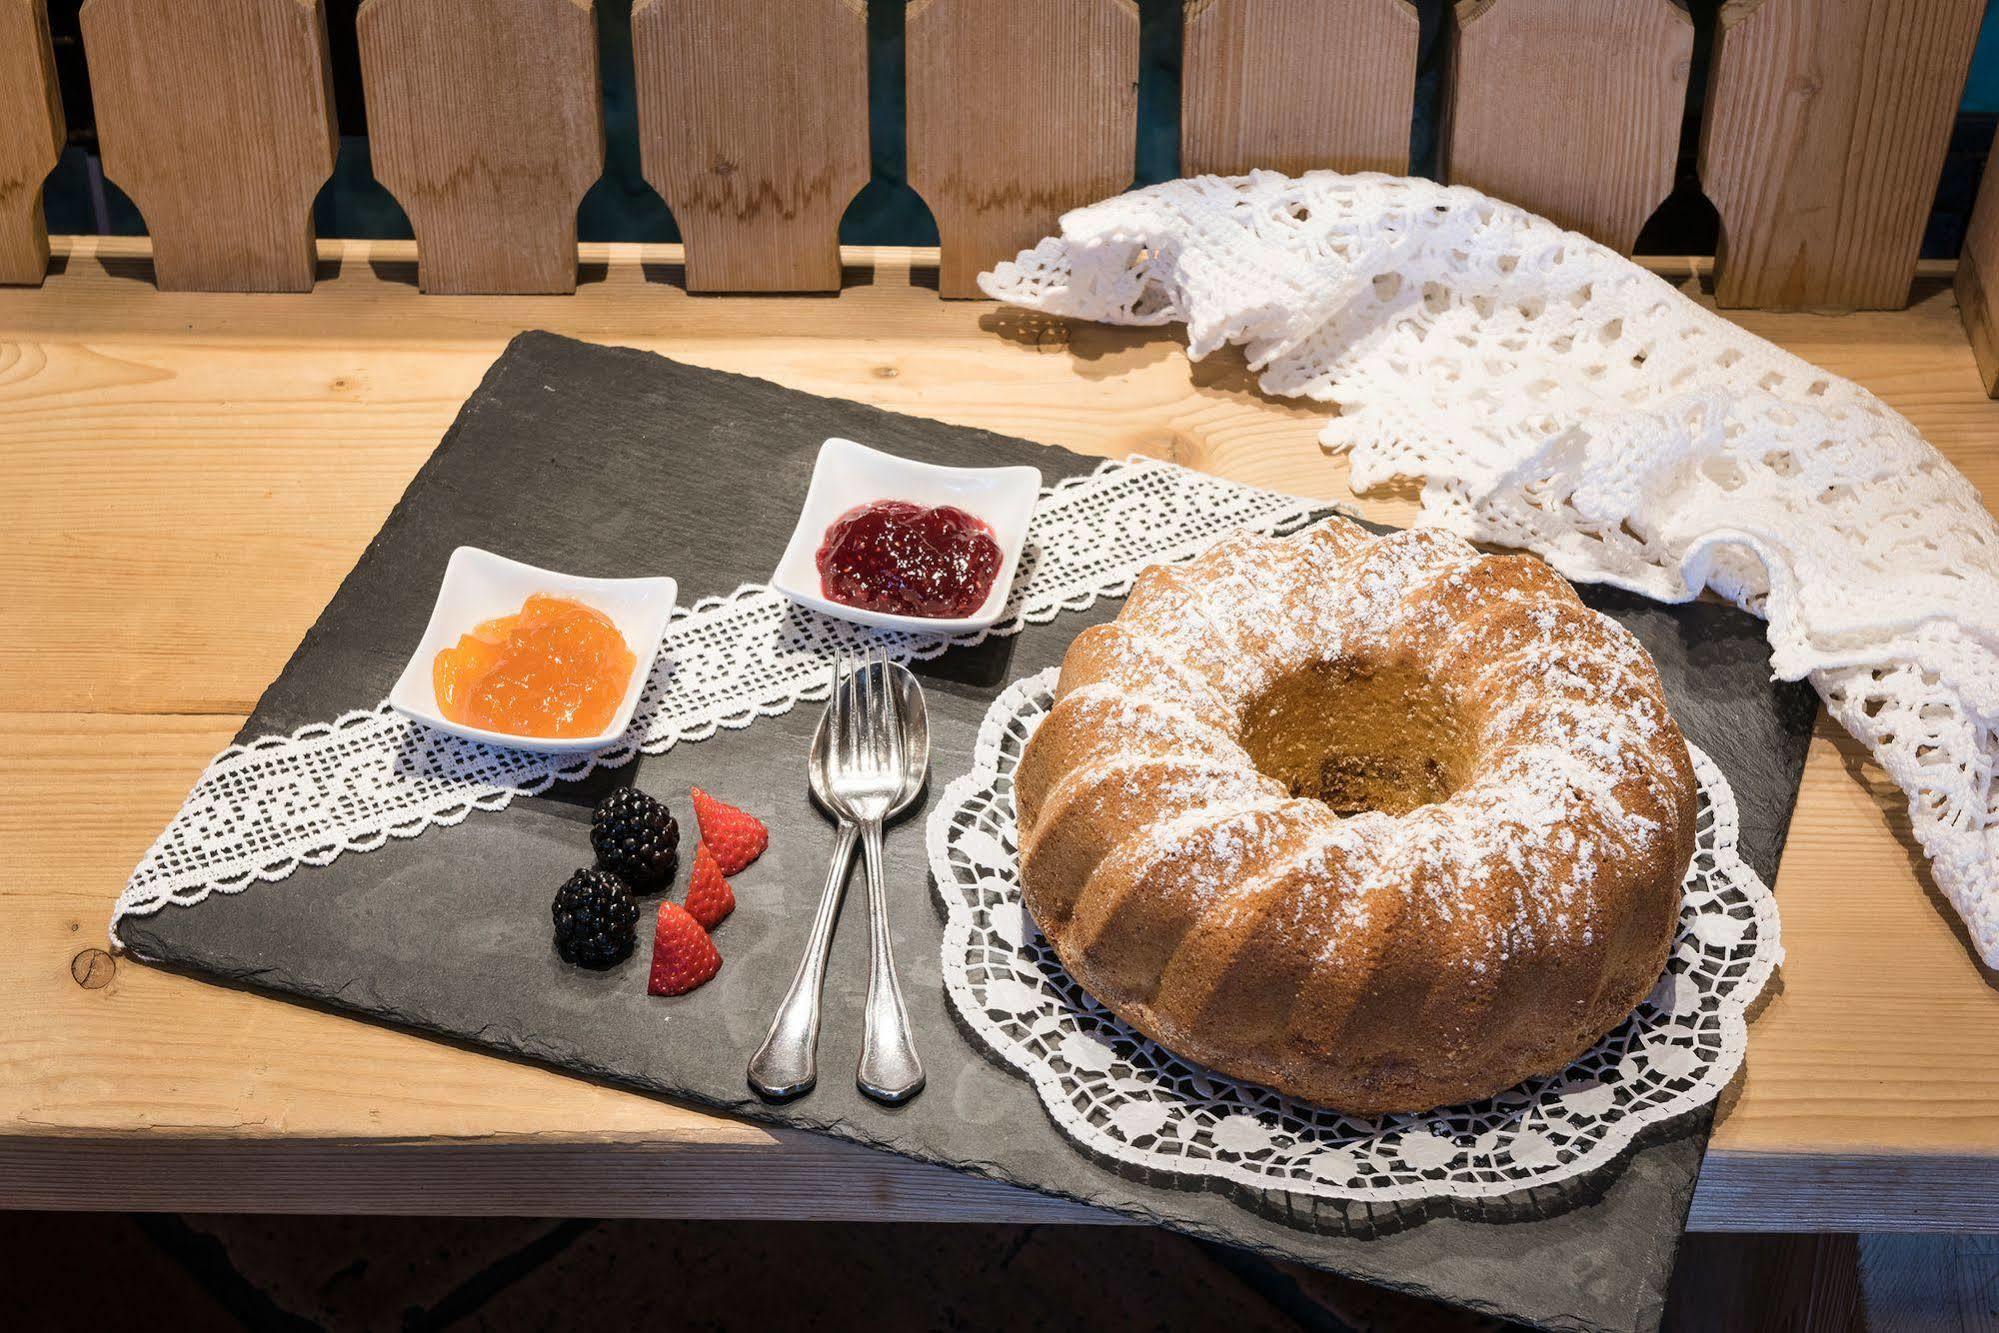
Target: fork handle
[889,1070]
[787,1063]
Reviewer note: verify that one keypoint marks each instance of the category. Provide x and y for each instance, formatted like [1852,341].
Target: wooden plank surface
[1978,280]
[1571,108]
[31,137]
[1824,134]
[217,119]
[486,121]
[1801,1284]
[1920,1282]
[191,475]
[753,125]
[1294,85]
[1018,112]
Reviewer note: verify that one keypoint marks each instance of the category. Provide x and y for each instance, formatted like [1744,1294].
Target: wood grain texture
[1945,1283]
[217,119]
[1978,281]
[188,477]
[672,1176]
[486,121]
[31,137]
[1571,108]
[753,125]
[1295,85]
[1802,1284]
[1822,142]
[1018,112]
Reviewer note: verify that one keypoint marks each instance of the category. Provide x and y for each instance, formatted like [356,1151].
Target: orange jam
[554,668]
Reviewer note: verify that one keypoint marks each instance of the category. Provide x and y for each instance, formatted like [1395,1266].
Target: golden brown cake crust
[1381,822]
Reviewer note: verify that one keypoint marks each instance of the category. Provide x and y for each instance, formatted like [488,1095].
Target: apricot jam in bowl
[902,544]
[533,659]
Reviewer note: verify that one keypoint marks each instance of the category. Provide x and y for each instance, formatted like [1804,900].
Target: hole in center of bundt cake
[1358,739]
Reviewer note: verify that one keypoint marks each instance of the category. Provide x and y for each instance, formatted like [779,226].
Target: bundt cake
[1383,823]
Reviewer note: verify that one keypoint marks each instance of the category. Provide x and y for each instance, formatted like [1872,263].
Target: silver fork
[787,1064]
[867,776]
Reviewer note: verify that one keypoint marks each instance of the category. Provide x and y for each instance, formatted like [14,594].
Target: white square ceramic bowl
[479,585]
[847,475]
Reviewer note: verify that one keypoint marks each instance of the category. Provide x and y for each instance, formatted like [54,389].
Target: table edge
[658,1178]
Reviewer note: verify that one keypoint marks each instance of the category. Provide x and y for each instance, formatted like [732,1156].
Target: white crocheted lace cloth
[1551,395]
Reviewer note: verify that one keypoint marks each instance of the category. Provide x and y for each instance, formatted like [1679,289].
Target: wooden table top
[187,477]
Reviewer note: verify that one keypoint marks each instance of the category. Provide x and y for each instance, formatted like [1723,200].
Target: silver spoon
[786,1065]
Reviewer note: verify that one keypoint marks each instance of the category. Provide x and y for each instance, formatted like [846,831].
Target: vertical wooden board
[1294,85]
[31,137]
[1571,108]
[216,117]
[490,179]
[1825,132]
[753,125]
[1018,112]
[1978,280]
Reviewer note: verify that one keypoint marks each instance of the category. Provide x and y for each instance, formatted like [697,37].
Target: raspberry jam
[554,668]
[907,560]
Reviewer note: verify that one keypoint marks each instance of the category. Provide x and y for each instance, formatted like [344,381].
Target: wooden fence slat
[753,125]
[1570,107]
[216,117]
[1294,85]
[1018,111]
[1825,132]
[486,121]
[31,138]
[1978,279]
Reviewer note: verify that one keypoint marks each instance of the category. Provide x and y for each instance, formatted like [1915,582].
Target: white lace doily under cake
[1122,1098]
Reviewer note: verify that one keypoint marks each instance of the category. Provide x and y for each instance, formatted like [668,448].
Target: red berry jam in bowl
[909,560]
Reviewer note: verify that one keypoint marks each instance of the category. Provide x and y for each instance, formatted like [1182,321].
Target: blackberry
[596,919]
[637,838]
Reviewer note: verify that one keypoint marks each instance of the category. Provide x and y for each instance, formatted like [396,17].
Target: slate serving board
[609,461]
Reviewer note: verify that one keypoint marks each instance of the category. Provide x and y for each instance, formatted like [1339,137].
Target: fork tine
[843,710]
[872,690]
[873,737]
[884,692]
[857,682]
[864,741]
[863,717]
[892,714]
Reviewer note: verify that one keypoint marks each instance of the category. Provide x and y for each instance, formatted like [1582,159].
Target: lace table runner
[1551,395]
[263,809]
[1123,1098]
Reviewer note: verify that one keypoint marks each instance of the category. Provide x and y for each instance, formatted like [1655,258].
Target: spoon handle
[889,1070]
[787,1063]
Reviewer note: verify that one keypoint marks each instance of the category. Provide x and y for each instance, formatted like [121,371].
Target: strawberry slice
[709,897]
[682,954]
[736,837]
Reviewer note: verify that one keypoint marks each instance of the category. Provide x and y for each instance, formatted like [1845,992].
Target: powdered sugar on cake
[1569,755]
[1301,777]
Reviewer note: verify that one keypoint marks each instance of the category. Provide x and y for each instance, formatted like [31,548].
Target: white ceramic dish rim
[642,622]
[1006,506]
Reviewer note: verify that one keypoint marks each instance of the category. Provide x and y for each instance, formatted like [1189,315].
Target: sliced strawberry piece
[736,837]
[709,897]
[682,954]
